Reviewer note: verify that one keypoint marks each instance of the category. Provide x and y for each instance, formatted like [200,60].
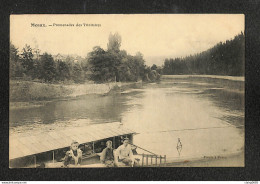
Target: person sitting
[125,154]
[73,157]
[107,155]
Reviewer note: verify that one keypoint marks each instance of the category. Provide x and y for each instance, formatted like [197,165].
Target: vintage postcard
[127,90]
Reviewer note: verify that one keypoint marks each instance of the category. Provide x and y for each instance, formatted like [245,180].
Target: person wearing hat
[107,155]
[73,157]
[125,154]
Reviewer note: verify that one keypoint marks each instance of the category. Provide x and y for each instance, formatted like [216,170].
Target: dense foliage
[30,65]
[116,65]
[223,59]
[100,65]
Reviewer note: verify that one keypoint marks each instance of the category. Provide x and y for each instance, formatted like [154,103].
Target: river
[206,114]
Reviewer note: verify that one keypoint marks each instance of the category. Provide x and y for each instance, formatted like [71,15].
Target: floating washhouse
[48,149]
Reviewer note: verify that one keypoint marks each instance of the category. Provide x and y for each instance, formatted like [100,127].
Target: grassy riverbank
[25,94]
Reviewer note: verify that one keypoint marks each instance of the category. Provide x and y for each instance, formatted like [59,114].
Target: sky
[156,36]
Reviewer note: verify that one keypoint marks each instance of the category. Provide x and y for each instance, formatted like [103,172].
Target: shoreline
[221,160]
[29,94]
[225,77]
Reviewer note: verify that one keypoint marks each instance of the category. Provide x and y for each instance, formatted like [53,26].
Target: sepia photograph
[126,90]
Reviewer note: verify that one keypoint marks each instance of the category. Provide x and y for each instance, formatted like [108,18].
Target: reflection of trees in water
[94,107]
[44,114]
[232,101]
[97,108]
[228,95]
[234,120]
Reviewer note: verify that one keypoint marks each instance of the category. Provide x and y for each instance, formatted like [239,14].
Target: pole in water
[52,156]
[142,160]
[160,160]
[35,161]
[93,147]
[179,146]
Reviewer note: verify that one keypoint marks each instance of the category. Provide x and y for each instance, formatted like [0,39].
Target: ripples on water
[198,111]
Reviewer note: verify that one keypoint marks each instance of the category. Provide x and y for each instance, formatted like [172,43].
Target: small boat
[48,149]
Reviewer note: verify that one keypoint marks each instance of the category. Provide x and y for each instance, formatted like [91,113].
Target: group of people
[122,156]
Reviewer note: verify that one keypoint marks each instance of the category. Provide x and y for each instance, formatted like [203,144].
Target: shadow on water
[97,108]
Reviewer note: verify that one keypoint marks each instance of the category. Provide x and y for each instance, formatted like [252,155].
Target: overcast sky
[155,35]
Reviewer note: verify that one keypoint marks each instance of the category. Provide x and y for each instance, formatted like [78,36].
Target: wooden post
[52,156]
[151,160]
[160,160]
[35,161]
[131,138]
[147,160]
[93,147]
[142,160]
[156,160]
[164,160]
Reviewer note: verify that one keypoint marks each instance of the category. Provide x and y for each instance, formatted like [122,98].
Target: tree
[154,67]
[77,73]
[16,68]
[14,53]
[27,60]
[62,72]
[223,59]
[47,68]
[97,64]
[114,42]
[159,70]
[115,64]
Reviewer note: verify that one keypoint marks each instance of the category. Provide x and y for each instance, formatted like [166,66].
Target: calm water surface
[206,114]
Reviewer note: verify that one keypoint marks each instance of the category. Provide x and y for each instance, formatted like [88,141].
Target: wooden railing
[153,160]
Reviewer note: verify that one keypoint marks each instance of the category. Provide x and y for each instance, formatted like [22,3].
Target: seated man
[125,154]
[73,157]
[107,155]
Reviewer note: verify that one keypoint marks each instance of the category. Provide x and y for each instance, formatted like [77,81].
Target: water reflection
[95,107]
[160,112]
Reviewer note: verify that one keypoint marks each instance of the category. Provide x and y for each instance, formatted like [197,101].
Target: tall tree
[114,42]
[27,60]
[77,73]
[97,64]
[62,71]
[48,71]
[16,68]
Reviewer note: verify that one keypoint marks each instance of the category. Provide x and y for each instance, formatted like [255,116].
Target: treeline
[31,65]
[100,65]
[226,58]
